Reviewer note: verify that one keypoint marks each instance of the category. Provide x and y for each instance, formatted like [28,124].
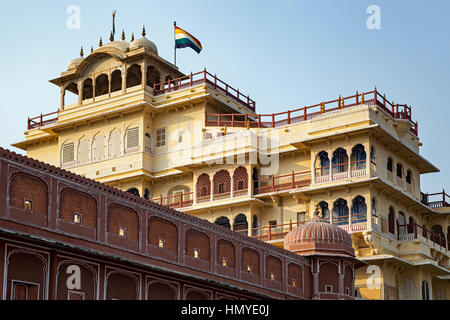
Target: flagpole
[174,44]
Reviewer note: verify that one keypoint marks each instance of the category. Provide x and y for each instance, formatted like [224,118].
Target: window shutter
[83,151]
[99,148]
[132,138]
[114,144]
[68,152]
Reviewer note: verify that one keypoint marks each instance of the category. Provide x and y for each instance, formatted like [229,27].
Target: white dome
[122,45]
[145,43]
[75,63]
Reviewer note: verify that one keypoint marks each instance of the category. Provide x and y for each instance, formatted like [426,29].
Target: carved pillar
[80,92]
[109,84]
[63,93]
[144,74]
[93,88]
[124,79]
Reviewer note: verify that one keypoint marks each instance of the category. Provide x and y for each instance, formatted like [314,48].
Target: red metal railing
[42,120]
[412,230]
[283,182]
[209,79]
[271,232]
[397,111]
[436,200]
[176,201]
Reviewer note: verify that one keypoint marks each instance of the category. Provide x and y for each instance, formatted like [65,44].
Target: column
[93,88]
[80,92]
[144,74]
[109,83]
[124,79]
[63,93]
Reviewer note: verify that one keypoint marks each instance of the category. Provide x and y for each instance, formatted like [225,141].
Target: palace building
[133,121]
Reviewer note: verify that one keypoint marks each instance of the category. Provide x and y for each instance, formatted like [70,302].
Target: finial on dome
[132,37]
[123,35]
[100,43]
[92,49]
[143,31]
[111,37]
[81,52]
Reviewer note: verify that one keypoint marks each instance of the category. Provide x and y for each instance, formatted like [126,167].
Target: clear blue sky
[285,54]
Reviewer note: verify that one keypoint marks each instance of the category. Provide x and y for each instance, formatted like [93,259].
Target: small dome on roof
[319,237]
[75,63]
[122,45]
[143,43]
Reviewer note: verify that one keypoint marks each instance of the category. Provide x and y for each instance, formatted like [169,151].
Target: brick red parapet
[128,247]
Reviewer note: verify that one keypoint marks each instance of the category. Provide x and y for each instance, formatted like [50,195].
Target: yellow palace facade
[132,120]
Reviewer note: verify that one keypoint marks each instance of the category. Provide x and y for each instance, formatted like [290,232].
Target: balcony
[341,171]
[204,77]
[436,200]
[176,201]
[194,79]
[411,232]
[290,181]
[274,120]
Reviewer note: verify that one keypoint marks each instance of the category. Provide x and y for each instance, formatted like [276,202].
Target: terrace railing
[42,120]
[284,182]
[413,231]
[205,77]
[371,98]
[176,201]
[436,200]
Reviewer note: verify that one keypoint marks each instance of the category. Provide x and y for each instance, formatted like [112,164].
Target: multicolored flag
[184,39]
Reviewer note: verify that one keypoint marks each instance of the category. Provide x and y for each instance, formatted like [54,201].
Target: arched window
[255,225]
[390,164]
[340,207]
[222,183]
[391,221]
[99,147]
[116,80]
[146,194]
[322,164]
[399,170]
[325,211]
[134,191]
[401,220]
[203,188]
[408,176]
[88,89]
[134,76]
[101,85]
[340,211]
[70,94]
[358,157]
[240,181]
[411,225]
[438,235]
[372,155]
[374,207]
[359,209]
[224,222]
[340,160]
[240,223]
[153,76]
[425,290]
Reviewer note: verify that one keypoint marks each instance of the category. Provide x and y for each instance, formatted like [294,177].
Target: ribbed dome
[75,63]
[319,237]
[145,43]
